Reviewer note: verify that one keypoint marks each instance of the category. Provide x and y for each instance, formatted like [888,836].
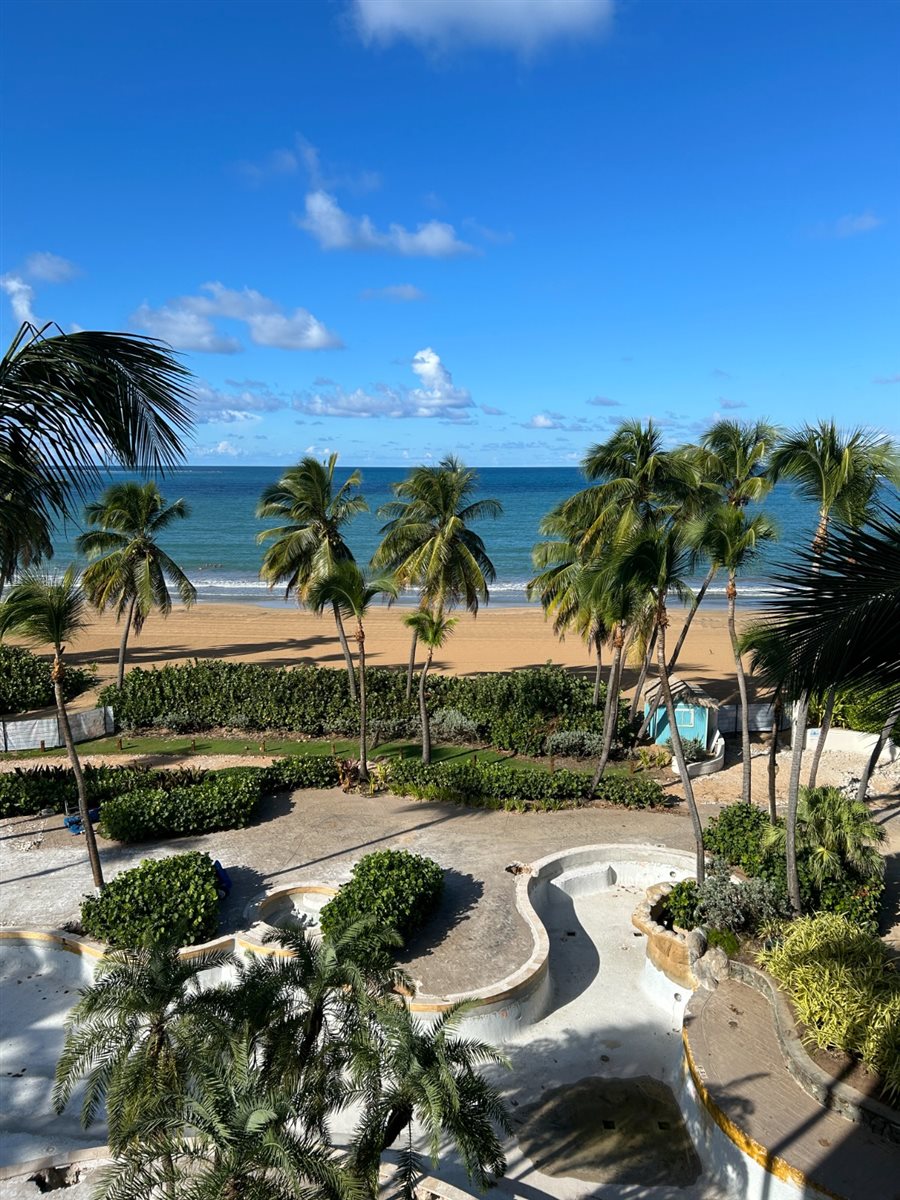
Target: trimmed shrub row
[25,680]
[517,711]
[398,889]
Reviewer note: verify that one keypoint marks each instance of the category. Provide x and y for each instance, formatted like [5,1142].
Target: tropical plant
[173,900]
[129,568]
[68,403]
[398,889]
[48,611]
[25,680]
[836,835]
[432,629]
[730,539]
[350,592]
[310,542]
[427,541]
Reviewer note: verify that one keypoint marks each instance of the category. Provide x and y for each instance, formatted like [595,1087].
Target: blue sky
[495,227]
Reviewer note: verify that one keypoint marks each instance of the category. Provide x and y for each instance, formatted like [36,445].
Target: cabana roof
[683,693]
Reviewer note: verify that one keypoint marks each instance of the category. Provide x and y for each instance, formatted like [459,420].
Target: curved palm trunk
[423,710]
[611,712]
[677,748]
[598,648]
[698,600]
[823,734]
[742,689]
[798,737]
[773,755]
[642,678]
[887,729]
[411,665]
[363,752]
[123,644]
[342,638]
[89,836]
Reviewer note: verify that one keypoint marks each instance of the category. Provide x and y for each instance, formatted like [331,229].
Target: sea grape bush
[172,900]
[517,711]
[25,681]
[399,889]
[220,801]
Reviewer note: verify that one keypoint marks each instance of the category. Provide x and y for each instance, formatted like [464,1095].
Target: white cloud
[225,448]
[21,298]
[245,404]
[49,268]
[604,402]
[730,405]
[523,25]
[490,411]
[850,225]
[304,155]
[335,229]
[40,267]
[437,396]
[186,323]
[544,420]
[400,293]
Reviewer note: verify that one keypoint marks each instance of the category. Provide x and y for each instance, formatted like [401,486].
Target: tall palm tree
[835,833]
[410,1071]
[130,1037]
[731,540]
[129,567]
[70,402]
[432,629]
[310,542]
[49,611]
[427,541]
[350,592]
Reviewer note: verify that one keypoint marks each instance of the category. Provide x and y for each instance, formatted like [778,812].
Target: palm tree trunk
[423,711]
[677,748]
[363,752]
[93,854]
[886,730]
[798,737]
[773,755]
[411,665]
[642,678]
[742,690]
[397,1121]
[342,638]
[698,600]
[611,711]
[823,734]
[123,644]
[598,648]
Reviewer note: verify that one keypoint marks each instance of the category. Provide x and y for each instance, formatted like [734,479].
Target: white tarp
[28,733]
[729,719]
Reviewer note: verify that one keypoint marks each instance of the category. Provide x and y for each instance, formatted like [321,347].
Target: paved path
[734,1045]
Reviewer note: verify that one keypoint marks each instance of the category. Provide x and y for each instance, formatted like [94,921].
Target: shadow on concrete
[460,898]
[245,884]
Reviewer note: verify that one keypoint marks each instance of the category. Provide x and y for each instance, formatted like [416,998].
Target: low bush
[694,750]
[844,987]
[290,774]
[450,725]
[25,681]
[575,743]
[26,792]
[223,800]
[735,906]
[171,900]
[736,835]
[400,890]
[680,906]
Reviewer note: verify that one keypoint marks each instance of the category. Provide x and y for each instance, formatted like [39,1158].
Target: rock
[696,944]
[712,968]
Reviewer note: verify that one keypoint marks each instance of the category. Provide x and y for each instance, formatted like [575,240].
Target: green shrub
[730,906]
[631,792]
[400,890]
[575,743]
[680,906]
[25,792]
[25,681]
[450,725]
[736,835]
[220,801]
[724,938]
[290,774]
[170,900]
[844,987]
[694,750]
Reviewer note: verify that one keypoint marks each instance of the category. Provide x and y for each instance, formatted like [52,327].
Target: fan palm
[432,629]
[350,592]
[310,542]
[427,542]
[129,567]
[69,402]
[47,611]
[835,834]
[730,539]
[409,1071]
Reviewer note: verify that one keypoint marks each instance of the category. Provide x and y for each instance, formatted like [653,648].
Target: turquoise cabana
[695,713]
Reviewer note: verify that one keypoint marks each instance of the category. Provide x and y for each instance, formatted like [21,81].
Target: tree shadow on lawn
[460,898]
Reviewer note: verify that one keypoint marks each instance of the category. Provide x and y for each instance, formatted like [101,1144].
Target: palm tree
[350,592]
[835,834]
[310,542]
[130,568]
[731,540]
[52,612]
[427,543]
[130,1037]
[835,624]
[433,629]
[68,403]
[410,1071]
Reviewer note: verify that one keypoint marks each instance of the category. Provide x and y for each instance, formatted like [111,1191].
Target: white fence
[851,741]
[31,734]
[728,718]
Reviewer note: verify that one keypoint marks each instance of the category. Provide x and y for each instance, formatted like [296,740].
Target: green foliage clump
[865,713]
[399,889]
[25,681]
[694,750]
[575,743]
[222,800]
[736,836]
[680,905]
[450,725]
[25,792]
[170,900]
[844,987]
[301,771]
[738,906]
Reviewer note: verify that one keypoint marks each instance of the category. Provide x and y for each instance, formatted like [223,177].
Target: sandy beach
[498,639]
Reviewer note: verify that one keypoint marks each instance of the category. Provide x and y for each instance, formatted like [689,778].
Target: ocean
[216,546]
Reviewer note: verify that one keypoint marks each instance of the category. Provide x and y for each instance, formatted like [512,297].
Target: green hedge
[517,711]
[25,792]
[400,890]
[25,681]
[499,785]
[220,801]
[170,900]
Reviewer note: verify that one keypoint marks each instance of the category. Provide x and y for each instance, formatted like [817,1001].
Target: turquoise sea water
[217,547]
